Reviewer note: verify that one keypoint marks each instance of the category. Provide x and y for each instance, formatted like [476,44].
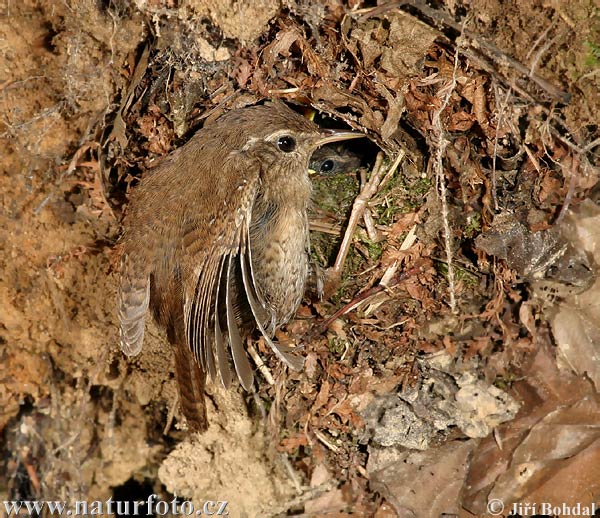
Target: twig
[372,232]
[260,364]
[575,144]
[503,105]
[326,442]
[369,190]
[284,91]
[292,473]
[540,38]
[362,297]
[571,189]
[532,158]
[592,145]
[540,53]
[438,165]
[390,272]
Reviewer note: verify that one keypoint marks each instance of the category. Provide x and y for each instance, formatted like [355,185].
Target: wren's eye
[327,166]
[286,143]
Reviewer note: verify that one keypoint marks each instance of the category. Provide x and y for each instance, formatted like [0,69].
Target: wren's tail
[191,379]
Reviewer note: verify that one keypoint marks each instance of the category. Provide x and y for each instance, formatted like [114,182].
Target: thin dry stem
[328,444]
[291,473]
[372,232]
[171,415]
[575,162]
[477,43]
[441,145]
[502,107]
[536,59]
[539,40]
[358,208]
[260,364]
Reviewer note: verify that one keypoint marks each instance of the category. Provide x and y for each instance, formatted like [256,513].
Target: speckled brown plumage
[216,244]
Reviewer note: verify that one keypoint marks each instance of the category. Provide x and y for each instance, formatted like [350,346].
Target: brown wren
[216,244]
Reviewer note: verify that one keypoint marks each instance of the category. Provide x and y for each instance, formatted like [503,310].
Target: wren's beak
[330,135]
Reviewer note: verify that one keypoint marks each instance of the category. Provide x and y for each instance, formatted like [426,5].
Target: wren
[216,245]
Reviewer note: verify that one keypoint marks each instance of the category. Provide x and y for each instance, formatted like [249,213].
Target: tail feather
[134,299]
[191,379]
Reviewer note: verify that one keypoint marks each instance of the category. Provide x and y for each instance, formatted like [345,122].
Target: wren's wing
[133,301]
[211,310]
[257,305]
[211,292]
[221,275]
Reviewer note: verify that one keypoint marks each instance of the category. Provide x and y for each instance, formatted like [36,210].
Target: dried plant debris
[546,255]
[561,264]
[455,361]
[537,457]
[438,473]
[575,316]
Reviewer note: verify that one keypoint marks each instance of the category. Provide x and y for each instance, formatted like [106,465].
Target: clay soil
[79,421]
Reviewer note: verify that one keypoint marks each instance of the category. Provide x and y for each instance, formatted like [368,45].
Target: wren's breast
[280,251]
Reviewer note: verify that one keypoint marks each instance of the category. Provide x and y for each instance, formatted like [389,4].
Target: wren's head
[280,138]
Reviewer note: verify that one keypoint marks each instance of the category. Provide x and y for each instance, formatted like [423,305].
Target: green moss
[403,193]
[506,380]
[592,59]
[337,345]
[335,193]
[473,227]
[400,196]
[354,263]
[375,249]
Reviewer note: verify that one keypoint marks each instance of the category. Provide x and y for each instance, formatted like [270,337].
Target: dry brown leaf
[576,319]
[461,121]
[564,443]
[291,444]
[424,483]
[322,397]
[330,504]
[550,401]
[280,46]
